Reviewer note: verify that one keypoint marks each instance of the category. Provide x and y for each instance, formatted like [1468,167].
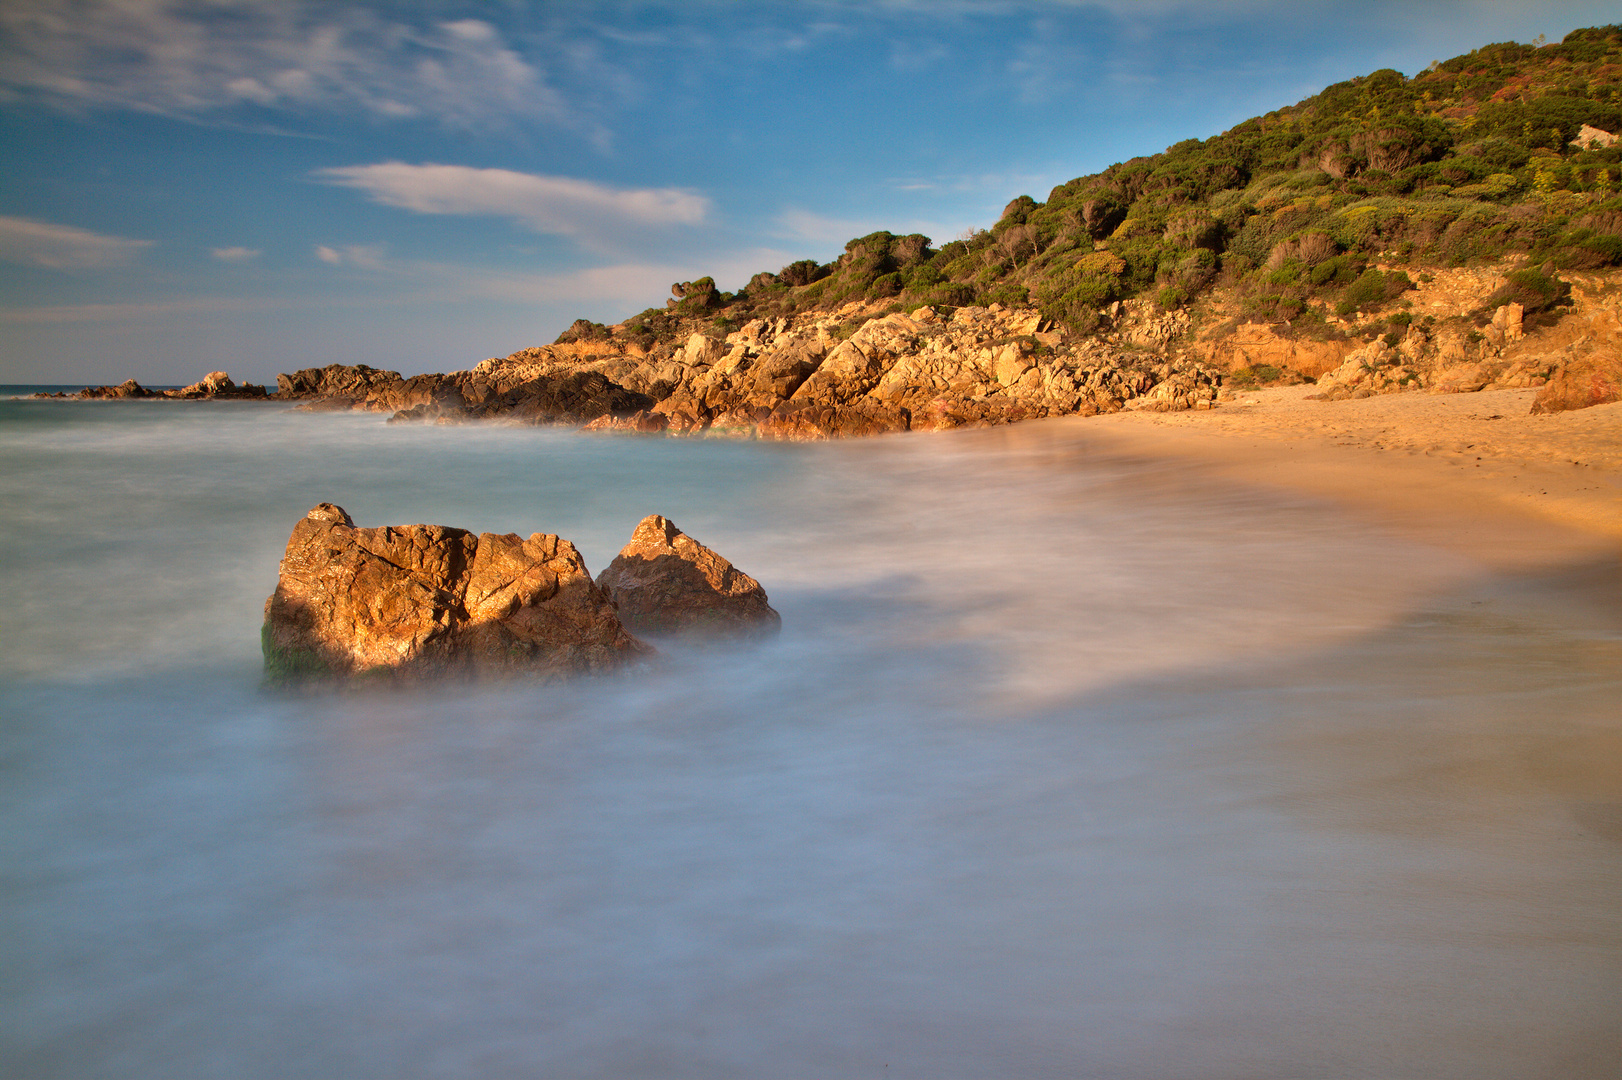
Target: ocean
[1066,763]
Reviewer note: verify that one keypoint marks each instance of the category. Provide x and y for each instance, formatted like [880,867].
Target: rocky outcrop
[422,601]
[1576,362]
[338,387]
[1594,379]
[1583,352]
[851,372]
[665,582]
[216,384]
[1252,345]
[127,389]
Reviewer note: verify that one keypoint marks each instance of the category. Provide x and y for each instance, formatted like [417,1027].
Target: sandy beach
[1473,473]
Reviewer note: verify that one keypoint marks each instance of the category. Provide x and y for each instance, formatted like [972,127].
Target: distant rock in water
[665,582]
[129,388]
[422,601]
[216,384]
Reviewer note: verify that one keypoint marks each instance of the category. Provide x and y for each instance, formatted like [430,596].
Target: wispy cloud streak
[558,205]
[63,247]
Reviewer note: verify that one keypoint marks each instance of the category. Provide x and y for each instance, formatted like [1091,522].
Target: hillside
[1477,158]
[1503,152]
[1455,231]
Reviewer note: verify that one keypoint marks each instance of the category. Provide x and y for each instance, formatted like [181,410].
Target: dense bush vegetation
[1309,208]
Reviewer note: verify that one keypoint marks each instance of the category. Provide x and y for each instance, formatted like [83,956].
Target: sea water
[1063,764]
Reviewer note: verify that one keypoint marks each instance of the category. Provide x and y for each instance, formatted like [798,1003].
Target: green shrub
[1009,294]
[1582,249]
[1340,270]
[885,285]
[951,295]
[1171,298]
[1248,378]
[1371,289]
[1288,274]
[1535,291]
[923,277]
[803,272]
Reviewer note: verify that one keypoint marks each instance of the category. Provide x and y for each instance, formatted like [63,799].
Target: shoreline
[1475,474]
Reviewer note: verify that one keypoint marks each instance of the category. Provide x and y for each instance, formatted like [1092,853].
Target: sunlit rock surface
[420,601]
[665,582]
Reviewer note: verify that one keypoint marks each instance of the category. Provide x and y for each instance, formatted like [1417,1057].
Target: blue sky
[263,185]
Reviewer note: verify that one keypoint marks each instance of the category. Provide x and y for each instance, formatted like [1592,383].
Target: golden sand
[1475,473]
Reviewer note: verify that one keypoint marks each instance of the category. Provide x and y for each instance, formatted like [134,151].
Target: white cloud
[237,254]
[559,205]
[63,247]
[364,256]
[190,60]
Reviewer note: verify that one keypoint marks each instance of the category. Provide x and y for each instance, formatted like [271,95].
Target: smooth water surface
[1062,765]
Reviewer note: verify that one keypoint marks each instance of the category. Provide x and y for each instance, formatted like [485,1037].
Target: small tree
[1020,240]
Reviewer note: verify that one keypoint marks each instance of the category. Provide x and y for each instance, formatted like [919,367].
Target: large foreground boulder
[665,582]
[420,601]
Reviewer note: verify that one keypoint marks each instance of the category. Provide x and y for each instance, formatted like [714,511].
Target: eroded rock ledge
[414,602]
[849,372]
[863,370]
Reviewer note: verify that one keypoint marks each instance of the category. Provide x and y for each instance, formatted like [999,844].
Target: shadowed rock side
[419,601]
[665,582]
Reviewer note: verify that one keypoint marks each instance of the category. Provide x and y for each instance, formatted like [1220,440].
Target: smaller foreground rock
[418,601]
[665,582]
[1581,382]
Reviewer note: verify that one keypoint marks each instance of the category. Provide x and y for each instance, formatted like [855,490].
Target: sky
[258,186]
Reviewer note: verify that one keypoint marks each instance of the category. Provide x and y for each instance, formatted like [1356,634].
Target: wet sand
[1476,474]
[1534,501]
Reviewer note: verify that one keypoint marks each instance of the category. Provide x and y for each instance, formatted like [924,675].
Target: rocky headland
[859,370]
[864,369]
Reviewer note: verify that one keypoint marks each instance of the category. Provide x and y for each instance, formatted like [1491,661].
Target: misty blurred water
[1063,764]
